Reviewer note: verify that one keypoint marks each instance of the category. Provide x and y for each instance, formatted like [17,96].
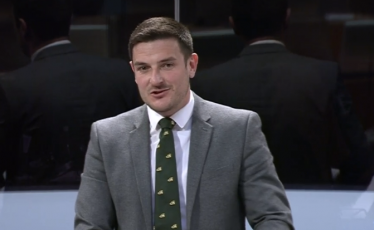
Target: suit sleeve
[94,206]
[357,167]
[263,194]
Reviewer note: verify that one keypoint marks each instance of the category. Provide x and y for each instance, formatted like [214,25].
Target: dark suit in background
[295,98]
[51,105]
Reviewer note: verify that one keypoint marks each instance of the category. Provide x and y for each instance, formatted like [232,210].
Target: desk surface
[322,210]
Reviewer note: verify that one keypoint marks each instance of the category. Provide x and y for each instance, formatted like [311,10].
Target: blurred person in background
[49,105]
[11,57]
[299,99]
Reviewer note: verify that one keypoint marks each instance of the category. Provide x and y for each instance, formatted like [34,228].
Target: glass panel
[99,29]
[334,31]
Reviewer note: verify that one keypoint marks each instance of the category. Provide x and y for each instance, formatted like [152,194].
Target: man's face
[162,74]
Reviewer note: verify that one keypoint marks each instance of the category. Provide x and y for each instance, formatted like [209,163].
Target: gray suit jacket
[231,174]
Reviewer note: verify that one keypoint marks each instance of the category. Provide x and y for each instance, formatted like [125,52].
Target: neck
[40,45]
[263,39]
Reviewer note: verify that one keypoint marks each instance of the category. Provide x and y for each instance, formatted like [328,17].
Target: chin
[160,109]
[163,110]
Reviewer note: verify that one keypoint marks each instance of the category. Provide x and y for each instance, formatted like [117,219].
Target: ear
[132,66]
[286,20]
[231,21]
[23,28]
[288,15]
[192,65]
[133,69]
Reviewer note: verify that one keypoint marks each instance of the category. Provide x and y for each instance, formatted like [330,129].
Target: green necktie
[167,208]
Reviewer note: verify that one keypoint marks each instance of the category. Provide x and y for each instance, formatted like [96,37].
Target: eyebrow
[162,61]
[167,59]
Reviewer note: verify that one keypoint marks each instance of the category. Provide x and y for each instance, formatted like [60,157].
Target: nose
[156,78]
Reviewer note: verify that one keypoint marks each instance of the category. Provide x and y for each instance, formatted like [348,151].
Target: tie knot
[166,123]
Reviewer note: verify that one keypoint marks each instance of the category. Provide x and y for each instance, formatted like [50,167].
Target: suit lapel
[140,153]
[201,133]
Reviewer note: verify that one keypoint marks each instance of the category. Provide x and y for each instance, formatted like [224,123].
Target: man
[52,102]
[11,57]
[296,98]
[178,162]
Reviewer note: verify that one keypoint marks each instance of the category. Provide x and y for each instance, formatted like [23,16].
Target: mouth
[159,93]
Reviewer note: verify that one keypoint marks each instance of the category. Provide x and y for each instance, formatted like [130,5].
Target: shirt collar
[181,117]
[269,41]
[63,42]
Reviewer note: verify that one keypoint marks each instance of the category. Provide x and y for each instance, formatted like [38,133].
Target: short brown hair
[161,28]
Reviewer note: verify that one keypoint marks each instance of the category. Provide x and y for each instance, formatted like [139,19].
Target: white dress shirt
[181,134]
[268,41]
[63,42]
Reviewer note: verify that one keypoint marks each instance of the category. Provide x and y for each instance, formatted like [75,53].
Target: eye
[142,68]
[167,65]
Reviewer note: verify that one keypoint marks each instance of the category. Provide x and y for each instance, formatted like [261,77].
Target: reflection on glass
[316,141]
